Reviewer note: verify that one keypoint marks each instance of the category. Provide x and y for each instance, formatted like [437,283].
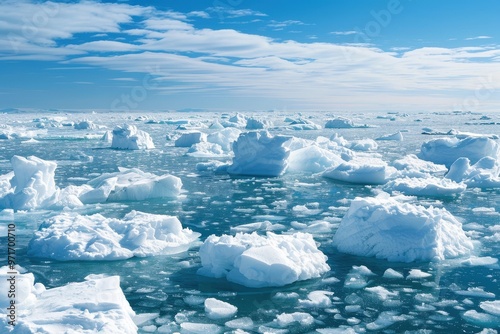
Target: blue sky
[393,55]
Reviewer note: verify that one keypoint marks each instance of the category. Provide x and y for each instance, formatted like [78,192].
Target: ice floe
[190,138]
[447,150]
[95,305]
[257,261]
[483,174]
[259,154]
[70,236]
[361,171]
[128,137]
[388,229]
[342,123]
[427,186]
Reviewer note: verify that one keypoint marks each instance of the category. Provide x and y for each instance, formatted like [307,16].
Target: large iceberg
[70,236]
[128,137]
[259,154]
[96,305]
[30,185]
[257,261]
[388,229]
[130,185]
[446,150]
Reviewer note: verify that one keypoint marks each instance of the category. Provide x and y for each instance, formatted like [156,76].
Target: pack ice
[95,305]
[253,260]
[385,228]
[70,236]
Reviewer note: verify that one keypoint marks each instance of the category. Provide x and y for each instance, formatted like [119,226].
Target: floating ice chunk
[317,299]
[384,320]
[131,185]
[23,287]
[480,261]
[32,184]
[392,274]
[342,123]
[398,136]
[240,323]
[428,186]
[361,171]
[475,292]
[256,261]
[236,121]
[288,319]
[492,307]
[259,154]
[385,228]
[363,145]
[207,150]
[446,150]
[312,159]
[481,319]
[224,138]
[199,328]
[343,329]
[382,293]
[257,124]
[128,137]
[304,124]
[216,125]
[96,305]
[85,125]
[411,166]
[217,309]
[417,274]
[483,174]
[68,237]
[190,138]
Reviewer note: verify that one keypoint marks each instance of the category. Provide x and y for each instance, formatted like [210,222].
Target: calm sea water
[213,203]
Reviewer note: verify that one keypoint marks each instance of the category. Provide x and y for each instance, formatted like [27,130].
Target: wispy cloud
[231,13]
[344,33]
[283,24]
[478,37]
[200,14]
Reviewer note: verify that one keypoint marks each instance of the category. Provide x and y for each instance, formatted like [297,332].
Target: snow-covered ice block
[385,228]
[131,185]
[304,124]
[32,184]
[224,138]
[70,236]
[312,159]
[483,174]
[128,137]
[236,121]
[207,150]
[257,124]
[361,171]
[427,186]
[258,261]
[342,123]
[259,154]
[96,305]
[85,125]
[446,150]
[412,166]
[190,138]
[217,309]
[363,145]
[398,136]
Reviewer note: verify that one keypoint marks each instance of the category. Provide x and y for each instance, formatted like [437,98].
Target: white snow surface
[70,236]
[385,228]
[259,261]
[446,150]
[259,154]
[128,137]
[95,305]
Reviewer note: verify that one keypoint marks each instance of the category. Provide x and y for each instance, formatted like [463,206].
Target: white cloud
[478,37]
[232,12]
[283,24]
[200,14]
[344,33]
[227,62]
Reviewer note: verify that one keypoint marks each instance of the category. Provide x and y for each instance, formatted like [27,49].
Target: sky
[364,55]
